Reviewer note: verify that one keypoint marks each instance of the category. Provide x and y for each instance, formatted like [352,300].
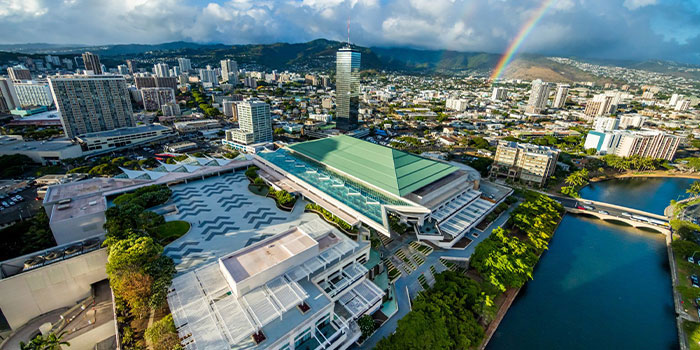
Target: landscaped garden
[171,230]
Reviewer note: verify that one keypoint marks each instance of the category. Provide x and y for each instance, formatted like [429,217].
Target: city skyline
[621,29]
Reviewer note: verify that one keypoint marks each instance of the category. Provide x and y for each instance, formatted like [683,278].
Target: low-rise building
[44,152]
[196,125]
[107,141]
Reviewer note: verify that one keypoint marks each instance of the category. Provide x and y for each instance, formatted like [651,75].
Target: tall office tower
[154,98]
[347,87]
[123,69]
[32,93]
[185,64]
[162,70]
[560,97]
[92,62]
[68,63]
[599,105]
[674,99]
[229,71]
[19,73]
[499,94]
[8,96]
[255,124]
[175,71]
[131,65]
[538,96]
[90,103]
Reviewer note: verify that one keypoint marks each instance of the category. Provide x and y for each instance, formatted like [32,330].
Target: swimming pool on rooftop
[351,193]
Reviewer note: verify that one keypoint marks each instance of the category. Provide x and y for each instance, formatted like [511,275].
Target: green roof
[392,170]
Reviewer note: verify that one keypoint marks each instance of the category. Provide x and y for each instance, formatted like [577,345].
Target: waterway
[600,285]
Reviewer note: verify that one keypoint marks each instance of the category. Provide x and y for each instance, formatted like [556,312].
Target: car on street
[694,281]
[691,260]
[626,214]
[603,212]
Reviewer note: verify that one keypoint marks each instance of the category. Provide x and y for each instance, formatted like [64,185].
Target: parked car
[4,204]
[694,281]
[691,260]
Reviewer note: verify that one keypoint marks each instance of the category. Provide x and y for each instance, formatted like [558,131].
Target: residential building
[229,71]
[185,64]
[161,70]
[674,100]
[605,124]
[170,109]
[459,105]
[91,103]
[154,98]
[153,81]
[682,106]
[131,65]
[255,124]
[499,94]
[600,105]
[19,73]
[524,161]
[539,94]
[648,143]
[230,109]
[632,121]
[326,118]
[347,88]
[31,93]
[8,96]
[561,96]
[208,75]
[92,63]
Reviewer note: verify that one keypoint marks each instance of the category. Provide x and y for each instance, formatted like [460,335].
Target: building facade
[255,124]
[561,96]
[154,98]
[8,96]
[92,103]
[347,88]
[32,93]
[161,70]
[527,162]
[538,96]
[19,73]
[499,94]
[92,63]
[600,105]
[229,71]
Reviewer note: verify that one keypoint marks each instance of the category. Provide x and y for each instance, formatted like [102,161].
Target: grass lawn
[171,231]
[687,291]
[692,332]
[259,190]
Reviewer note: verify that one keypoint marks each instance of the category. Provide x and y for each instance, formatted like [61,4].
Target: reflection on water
[600,285]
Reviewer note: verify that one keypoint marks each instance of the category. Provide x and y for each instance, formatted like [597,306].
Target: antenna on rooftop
[348,31]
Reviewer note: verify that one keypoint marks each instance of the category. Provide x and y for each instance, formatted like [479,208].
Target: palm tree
[52,341]
[694,188]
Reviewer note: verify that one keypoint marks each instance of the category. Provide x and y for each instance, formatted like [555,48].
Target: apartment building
[526,162]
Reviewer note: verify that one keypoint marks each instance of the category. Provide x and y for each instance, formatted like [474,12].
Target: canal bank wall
[510,296]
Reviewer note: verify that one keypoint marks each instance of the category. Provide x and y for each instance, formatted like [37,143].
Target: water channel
[600,285]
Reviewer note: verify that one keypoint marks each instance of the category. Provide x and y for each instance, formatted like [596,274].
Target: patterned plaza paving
[225,217]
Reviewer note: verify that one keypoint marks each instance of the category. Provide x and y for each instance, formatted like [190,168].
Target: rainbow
[518,40]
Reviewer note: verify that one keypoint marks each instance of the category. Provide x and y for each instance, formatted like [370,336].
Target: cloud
[635,4]
[626,29]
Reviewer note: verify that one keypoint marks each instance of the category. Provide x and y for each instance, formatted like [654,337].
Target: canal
[600,285]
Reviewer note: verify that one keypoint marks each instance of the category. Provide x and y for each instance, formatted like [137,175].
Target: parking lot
[20,210]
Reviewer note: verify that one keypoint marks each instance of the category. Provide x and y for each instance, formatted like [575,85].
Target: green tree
[694,188]
[162,334]
[52,341]
[366,324]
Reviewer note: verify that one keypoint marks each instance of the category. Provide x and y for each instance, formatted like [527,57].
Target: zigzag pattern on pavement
[261,216]
[234,200]
[192,208]
[187,193]
[218,226]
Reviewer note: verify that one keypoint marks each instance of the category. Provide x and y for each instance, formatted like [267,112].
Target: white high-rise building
[31,93]
[347,88]
[674,100]
[161,70]
[682,105]
[560,97]
[123,69]
[208,75]
[538,95]
[255,124]
[499,94]
[185,64]
[632,121]
[229,71]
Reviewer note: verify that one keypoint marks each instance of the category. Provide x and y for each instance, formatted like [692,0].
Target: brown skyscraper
[92,62]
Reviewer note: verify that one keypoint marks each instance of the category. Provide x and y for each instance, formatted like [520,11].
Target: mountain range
[320,54]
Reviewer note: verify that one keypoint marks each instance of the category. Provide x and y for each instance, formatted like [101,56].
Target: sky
[613,29]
